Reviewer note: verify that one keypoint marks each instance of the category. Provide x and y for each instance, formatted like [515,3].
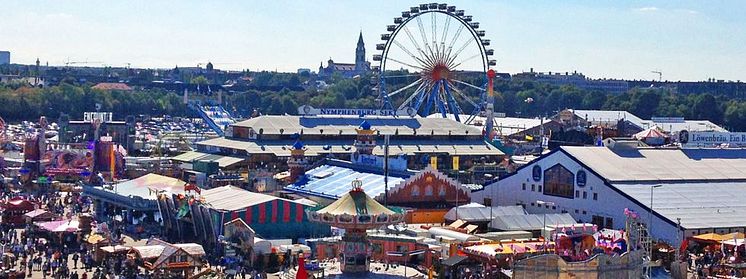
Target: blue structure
[332,179]
[215,116]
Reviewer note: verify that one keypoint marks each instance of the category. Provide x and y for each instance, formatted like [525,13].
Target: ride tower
[365,141]
[355,212]
[297,161]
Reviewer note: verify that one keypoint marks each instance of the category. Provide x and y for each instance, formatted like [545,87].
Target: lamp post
[650,231]
[544,223]
[457,191]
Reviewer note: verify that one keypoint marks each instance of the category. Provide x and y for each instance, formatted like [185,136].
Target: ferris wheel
[434,60]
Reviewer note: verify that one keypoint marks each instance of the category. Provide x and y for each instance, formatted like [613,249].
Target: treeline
[518,98]
[526,98]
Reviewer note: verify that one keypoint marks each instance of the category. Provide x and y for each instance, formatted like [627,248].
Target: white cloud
[647,9]
[691,12]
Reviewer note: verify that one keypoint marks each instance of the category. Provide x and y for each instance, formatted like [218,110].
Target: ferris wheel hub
[439,72]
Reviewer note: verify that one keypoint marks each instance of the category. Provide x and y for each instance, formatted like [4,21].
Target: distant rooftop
[112,86]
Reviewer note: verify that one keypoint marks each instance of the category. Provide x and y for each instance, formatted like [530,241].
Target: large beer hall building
[693,191]
[266,141]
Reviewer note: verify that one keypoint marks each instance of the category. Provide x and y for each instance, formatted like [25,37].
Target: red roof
[650,133]
[112,86]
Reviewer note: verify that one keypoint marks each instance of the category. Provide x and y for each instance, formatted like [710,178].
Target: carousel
[355,212]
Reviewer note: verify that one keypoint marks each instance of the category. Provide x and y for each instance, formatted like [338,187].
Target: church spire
[360,39]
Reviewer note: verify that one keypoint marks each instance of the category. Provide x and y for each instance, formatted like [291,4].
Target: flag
[434,162]
[302,273]
[455,160]
[684,245]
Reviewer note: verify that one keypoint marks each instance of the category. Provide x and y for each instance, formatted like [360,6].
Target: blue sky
[686,40]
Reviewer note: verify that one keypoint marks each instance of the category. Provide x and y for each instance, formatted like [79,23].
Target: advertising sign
[707,139]
[309,110]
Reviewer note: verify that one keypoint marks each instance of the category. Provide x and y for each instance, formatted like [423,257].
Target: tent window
[559,181]
[429,191]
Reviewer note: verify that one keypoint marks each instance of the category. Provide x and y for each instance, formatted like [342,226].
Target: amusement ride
[434,59]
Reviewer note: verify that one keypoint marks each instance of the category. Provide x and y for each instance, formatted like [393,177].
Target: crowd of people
[30,251]
[719,262]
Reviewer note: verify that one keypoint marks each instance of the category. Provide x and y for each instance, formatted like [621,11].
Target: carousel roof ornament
[357,185]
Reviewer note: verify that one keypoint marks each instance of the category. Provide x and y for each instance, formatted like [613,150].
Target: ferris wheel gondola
[434,59]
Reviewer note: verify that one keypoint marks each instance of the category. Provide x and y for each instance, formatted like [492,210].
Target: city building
[689,188]
[4,57]
[578,80]
[348,69]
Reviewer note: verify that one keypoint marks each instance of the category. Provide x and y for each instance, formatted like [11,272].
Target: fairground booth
[202,216]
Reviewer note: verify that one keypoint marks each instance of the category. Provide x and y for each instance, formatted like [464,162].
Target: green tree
[199,80]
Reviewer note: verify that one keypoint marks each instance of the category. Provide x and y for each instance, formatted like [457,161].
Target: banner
[455,162]
[710,139]
[309,110]
[434,162]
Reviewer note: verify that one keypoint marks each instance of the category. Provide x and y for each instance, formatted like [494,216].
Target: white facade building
[704,189]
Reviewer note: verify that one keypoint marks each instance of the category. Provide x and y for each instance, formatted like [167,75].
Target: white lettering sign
[309,110]
[706,139]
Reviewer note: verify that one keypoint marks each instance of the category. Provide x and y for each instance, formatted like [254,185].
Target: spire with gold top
[297,161]
[366,138]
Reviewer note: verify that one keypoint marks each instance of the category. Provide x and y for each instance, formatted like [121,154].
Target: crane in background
[68,62]
[660,75]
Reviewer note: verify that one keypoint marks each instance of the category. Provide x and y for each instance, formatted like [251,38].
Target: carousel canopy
[652,132]
[356,203]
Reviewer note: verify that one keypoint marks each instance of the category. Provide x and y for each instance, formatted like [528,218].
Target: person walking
[45,268]
[75,260]
[30,266]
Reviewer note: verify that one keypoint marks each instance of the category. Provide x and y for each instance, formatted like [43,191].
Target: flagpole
[386,169]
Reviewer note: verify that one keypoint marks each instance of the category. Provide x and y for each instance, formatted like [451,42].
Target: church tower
[361,66]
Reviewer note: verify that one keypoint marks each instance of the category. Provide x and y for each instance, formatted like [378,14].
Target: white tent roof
[482,214]
[699,205]
[531,222]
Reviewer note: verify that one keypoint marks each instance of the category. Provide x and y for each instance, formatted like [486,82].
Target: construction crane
[660,75]
[68,62]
